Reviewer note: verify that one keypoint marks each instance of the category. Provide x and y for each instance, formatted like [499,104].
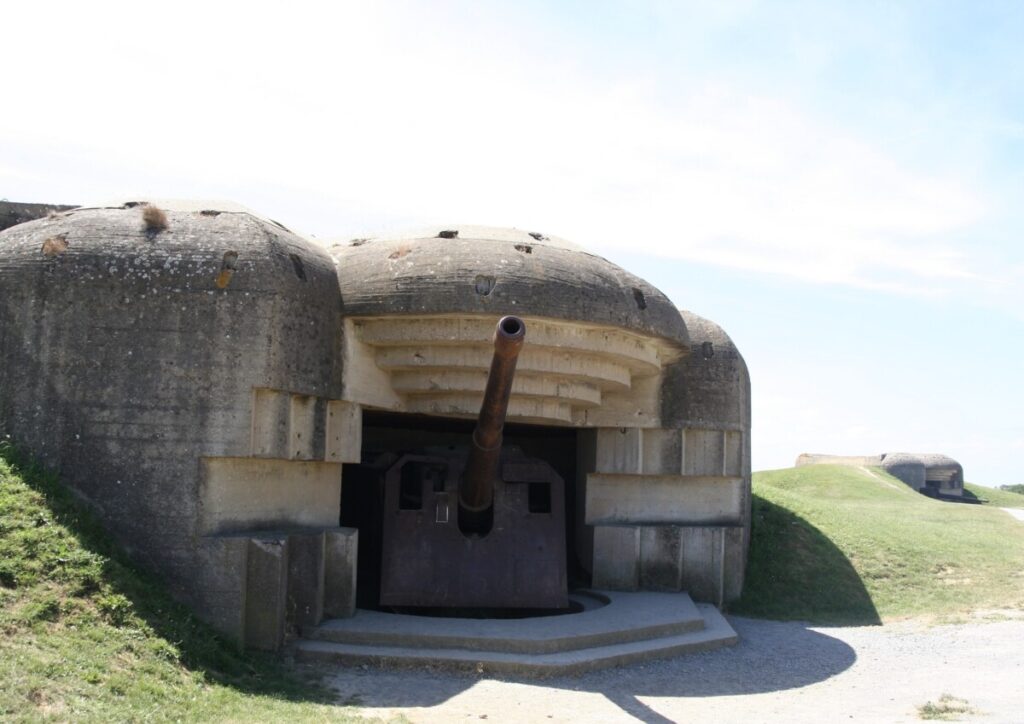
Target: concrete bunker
[269,386]
[931,474]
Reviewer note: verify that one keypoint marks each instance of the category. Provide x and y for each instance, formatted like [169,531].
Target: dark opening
[410,495]
[511,326]
[484,284]
[539,498]
[297,265]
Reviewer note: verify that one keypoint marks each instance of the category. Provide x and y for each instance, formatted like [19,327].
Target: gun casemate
[476,525]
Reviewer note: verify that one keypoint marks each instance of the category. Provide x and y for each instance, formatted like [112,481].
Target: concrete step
[716,633]
[611,618]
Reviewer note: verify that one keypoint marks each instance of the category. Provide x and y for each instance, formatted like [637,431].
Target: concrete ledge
[673,499]
[716,632]
[616,618]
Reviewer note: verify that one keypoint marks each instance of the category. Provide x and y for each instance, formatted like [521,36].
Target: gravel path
[779,672]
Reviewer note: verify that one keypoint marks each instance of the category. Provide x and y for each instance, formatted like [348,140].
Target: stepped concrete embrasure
[631,627]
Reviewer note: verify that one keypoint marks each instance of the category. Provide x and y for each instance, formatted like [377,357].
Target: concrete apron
[615,628]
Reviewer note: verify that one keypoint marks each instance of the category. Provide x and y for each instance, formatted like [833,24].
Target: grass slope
[840,545]
[995,496]
[84,636]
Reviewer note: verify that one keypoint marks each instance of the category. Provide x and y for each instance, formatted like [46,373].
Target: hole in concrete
[538,236]
[639,298]
[707,350]
[297,266]
[448,234]
[524,248]
[484,285]
[209,212]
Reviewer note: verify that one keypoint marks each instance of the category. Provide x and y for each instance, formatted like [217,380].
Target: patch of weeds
[46,607]
[115,607]
[948,708]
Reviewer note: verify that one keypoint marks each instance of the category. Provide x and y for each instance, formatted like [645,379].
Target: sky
[837,184]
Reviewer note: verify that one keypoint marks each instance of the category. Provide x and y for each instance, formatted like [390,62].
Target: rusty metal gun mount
[476,526]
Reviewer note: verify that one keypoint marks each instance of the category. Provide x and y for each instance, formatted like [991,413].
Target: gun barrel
[476,488]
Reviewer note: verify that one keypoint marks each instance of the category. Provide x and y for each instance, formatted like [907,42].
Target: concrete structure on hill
[230,397]
[931,474]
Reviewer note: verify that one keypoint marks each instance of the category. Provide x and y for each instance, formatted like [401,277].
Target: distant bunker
[933,475]
[286,431]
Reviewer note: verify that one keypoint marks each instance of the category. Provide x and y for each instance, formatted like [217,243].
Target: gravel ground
[779,672]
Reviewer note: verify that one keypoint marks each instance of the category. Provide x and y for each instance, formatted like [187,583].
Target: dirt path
[780,672]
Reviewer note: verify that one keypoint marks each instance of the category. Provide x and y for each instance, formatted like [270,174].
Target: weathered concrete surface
[123,363]
[495,272]
[857,461]
[632,627]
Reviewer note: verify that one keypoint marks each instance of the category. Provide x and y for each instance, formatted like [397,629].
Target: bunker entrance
[403,497]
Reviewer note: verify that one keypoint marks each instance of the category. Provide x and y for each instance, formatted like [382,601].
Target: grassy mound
[86,636]
[840,545]
[995,496]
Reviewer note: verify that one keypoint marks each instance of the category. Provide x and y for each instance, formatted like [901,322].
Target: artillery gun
[476,526]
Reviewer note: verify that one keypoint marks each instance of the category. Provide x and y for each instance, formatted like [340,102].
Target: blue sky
[837,184]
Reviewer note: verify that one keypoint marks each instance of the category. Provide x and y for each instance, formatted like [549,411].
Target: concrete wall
[129,357]
[857,461]
[670,506]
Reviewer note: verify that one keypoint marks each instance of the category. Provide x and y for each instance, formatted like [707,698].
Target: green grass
[996,496]
[85,636]
[840,545]
[948,708]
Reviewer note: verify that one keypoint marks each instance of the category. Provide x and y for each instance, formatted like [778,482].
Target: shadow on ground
[770,656]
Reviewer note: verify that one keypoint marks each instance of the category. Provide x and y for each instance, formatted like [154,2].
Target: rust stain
[400,252]
[224,277]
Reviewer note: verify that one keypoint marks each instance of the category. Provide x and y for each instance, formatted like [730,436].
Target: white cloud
[422,112]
